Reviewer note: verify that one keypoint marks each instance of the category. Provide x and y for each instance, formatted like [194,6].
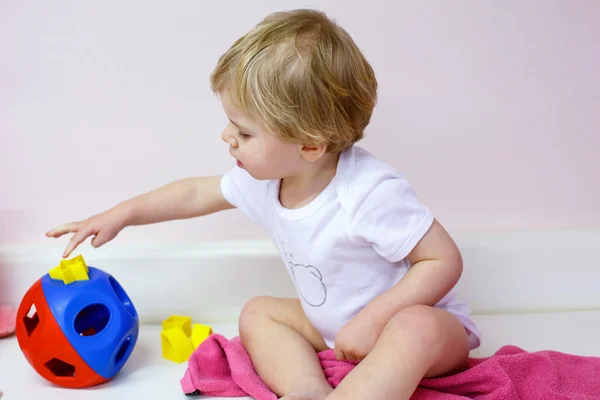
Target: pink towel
[8,317]
[222,367]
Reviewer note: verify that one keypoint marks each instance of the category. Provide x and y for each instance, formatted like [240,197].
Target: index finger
[76,240]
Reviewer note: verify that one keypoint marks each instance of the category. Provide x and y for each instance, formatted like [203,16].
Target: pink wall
[491,110]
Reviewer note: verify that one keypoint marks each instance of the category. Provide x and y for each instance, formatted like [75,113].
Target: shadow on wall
[4,281]
[7,309]
[14,225]
[4,234]
[7,312]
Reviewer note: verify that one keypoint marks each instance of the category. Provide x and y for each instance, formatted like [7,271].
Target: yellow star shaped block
[71,270]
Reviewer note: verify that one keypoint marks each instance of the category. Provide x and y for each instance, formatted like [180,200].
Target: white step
[148,376]
[536,290]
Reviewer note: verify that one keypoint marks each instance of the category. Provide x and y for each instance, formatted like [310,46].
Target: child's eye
[243,135]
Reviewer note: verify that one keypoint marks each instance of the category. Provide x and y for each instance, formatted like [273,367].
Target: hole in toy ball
[32,311]
[92,319]
[60,368]
[31,320]
[120,292]
[123,350]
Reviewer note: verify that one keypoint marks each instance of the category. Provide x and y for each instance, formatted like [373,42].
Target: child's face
[259,152]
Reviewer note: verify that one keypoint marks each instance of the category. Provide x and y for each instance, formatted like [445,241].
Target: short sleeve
[245,193]
[390,217]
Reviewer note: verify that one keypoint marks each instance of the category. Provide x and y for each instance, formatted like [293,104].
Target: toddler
[374,271]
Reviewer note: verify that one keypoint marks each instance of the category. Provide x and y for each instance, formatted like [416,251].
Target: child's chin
[260,176]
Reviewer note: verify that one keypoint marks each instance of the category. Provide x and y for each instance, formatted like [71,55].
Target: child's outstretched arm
[186,198]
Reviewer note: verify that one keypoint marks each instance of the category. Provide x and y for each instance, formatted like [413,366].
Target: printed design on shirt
[309,282]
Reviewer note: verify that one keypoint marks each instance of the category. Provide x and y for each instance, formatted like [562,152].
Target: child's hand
[104,227]
[357,338]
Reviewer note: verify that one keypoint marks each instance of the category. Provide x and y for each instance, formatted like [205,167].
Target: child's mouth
[239,164]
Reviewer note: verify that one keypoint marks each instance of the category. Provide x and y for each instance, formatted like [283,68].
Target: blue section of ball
[97,318]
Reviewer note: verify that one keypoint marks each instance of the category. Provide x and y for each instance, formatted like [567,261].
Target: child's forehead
[236,115]
[233,110]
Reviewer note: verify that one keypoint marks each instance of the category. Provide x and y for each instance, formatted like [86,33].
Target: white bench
[534,290]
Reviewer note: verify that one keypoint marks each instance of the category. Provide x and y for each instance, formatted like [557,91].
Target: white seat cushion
[147,375]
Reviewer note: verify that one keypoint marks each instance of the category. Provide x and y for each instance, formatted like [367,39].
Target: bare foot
[306,395]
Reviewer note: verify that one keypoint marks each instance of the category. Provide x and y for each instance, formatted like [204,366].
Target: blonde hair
[302,77]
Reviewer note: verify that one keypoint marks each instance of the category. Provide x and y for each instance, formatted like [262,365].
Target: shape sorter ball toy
[76,325]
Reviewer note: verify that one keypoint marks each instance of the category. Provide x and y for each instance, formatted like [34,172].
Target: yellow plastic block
[178,321]
[199,334]
[176,346]
[71,270]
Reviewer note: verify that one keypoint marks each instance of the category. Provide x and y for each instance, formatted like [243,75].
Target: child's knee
[423,326]
[254,313]
[261,310]
[260,313]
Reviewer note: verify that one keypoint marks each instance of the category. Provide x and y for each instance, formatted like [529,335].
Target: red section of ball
[46,347]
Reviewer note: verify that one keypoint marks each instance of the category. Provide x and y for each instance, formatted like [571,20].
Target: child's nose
[229,138]
[233,142]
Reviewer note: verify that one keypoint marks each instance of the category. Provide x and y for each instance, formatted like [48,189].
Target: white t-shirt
[349,244]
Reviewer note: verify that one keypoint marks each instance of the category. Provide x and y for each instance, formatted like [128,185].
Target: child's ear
[313,152]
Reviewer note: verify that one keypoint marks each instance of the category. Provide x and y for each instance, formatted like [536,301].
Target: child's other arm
[436,268]
[186,198]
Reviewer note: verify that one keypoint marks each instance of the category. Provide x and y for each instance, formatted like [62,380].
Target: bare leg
[419,341]
[283,346]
